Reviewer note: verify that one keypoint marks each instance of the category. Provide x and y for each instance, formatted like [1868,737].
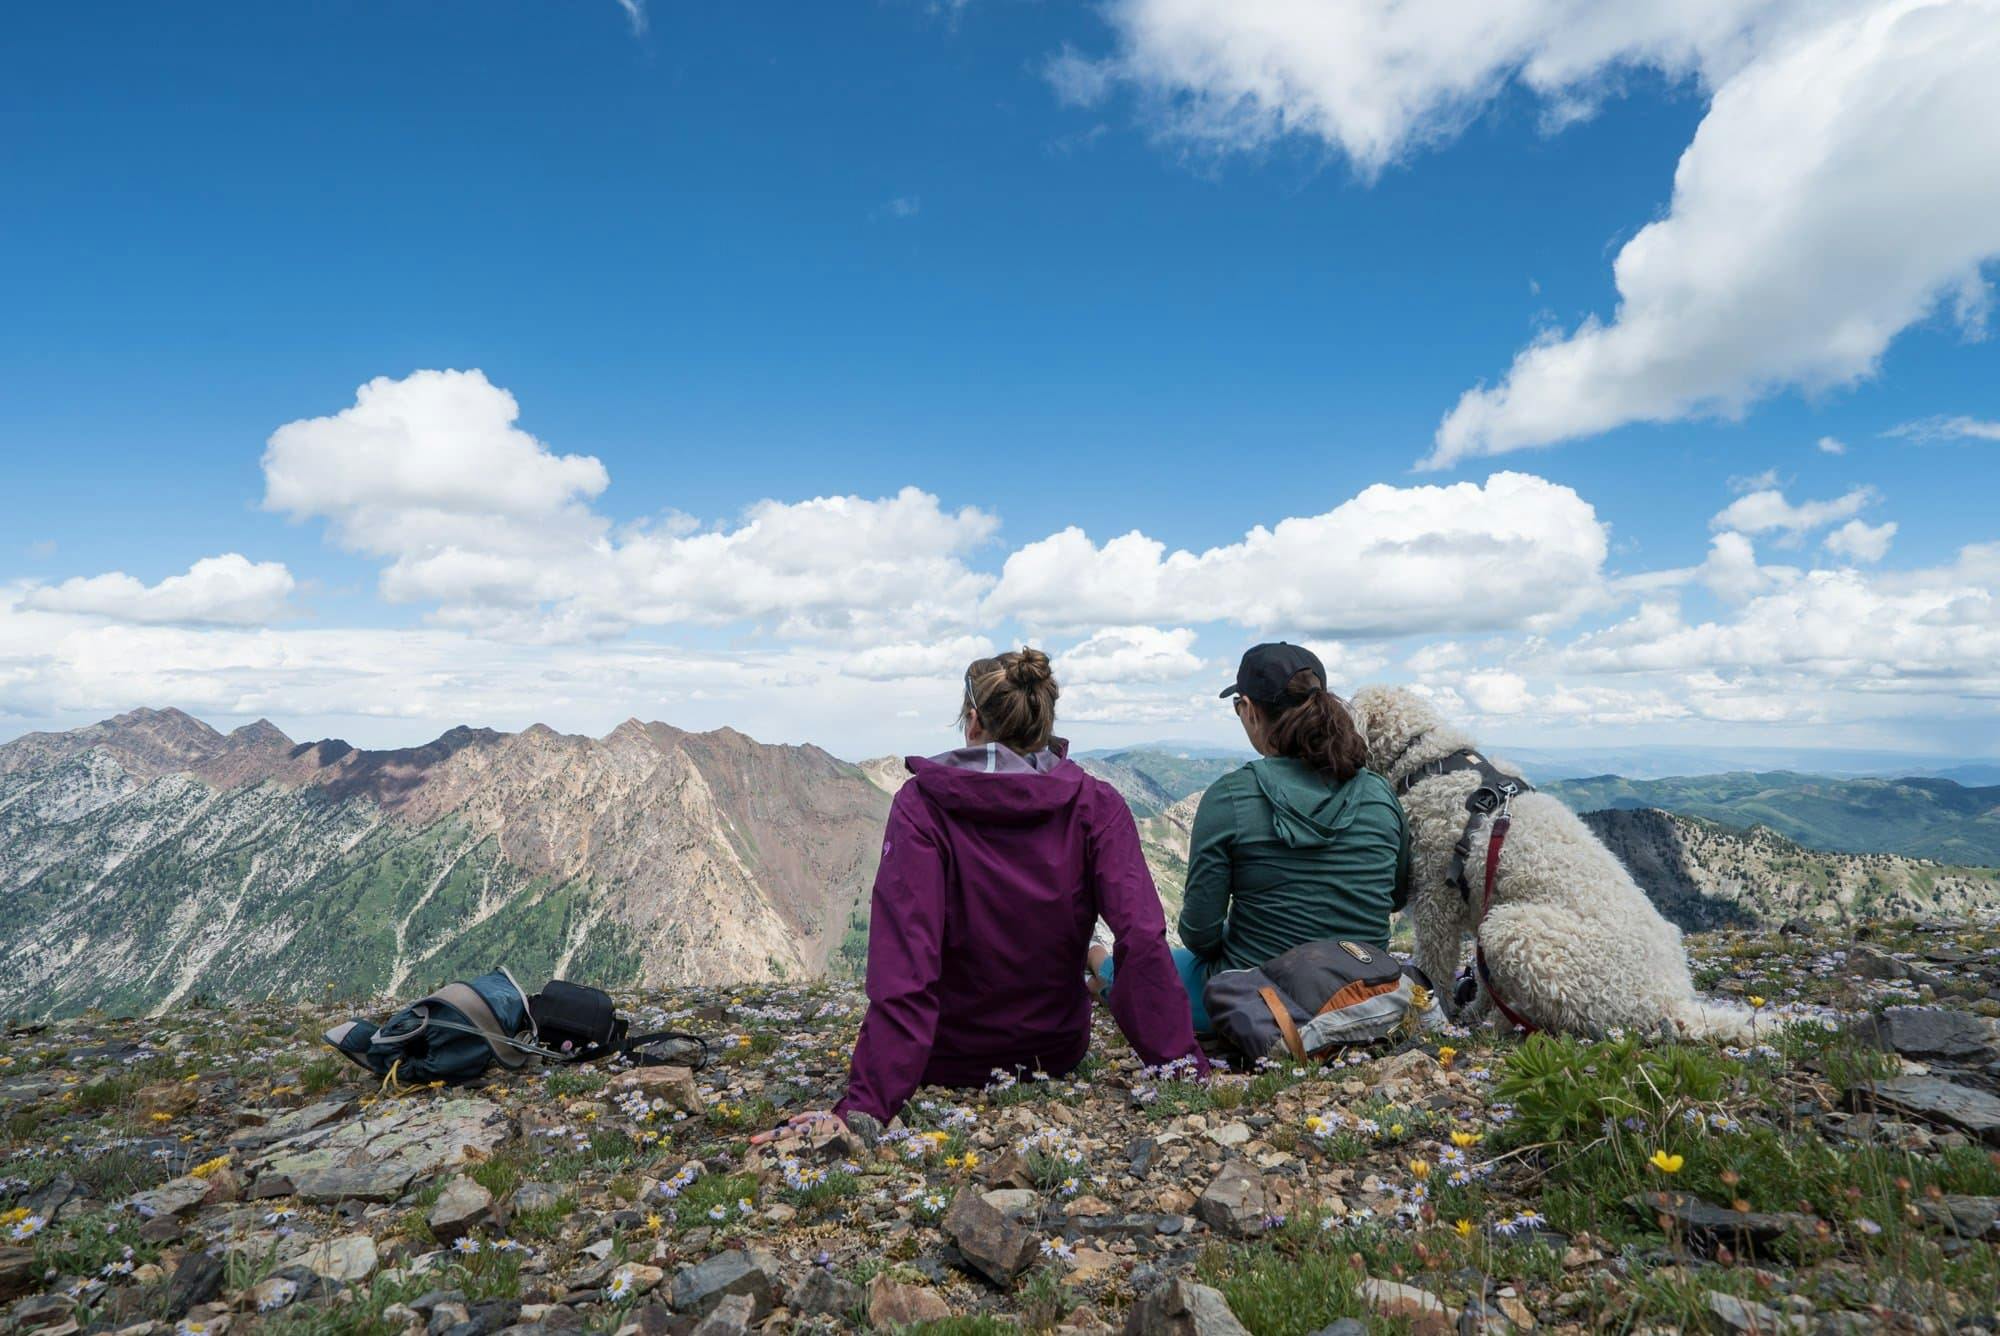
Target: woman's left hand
[798,1122]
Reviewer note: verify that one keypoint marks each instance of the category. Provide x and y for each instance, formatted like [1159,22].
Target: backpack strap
[633,1044]
[1282,1014]
[507,1050]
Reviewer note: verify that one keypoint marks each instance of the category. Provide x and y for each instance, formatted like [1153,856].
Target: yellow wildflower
[1315,1124]
[19,1213]
[972,1159]
[161,1116]
[1665,1163]
[1420,1168]
[653,1221]
[1395,1129]
[1465,1140]
[1445,1054]
[1755,1000]
[1464,1228]
[207,1167]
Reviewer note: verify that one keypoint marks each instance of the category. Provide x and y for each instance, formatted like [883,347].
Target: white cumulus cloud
[1767,510]
[1515,551]
[946,659]
[1859,541]
[226,590]
[496,532]
[1130,654]
[1839,189]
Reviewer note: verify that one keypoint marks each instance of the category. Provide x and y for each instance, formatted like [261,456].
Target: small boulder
[196,1280]
[1421,1312]
[675,1085]
[175,1197]
[998,1245]
[462,1207]
[17,1272]
[823,1294]
[1235,1201]
[699,1288]
[1413,1067]
[1750,1317]
[731,1316]
[1967,1217]
[348,1258]
[1183,1308]
[893,1306]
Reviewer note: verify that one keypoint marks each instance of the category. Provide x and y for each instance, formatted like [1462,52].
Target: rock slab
[1936,1033]
[1704,1224]
[376,1156]
[1937,1100]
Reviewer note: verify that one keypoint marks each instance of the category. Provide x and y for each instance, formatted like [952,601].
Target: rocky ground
[220,1170]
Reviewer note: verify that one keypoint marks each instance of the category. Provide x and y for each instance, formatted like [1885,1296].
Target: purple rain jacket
[995,867]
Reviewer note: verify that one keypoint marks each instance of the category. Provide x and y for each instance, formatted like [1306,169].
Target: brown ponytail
[1312,725]
[1015,695]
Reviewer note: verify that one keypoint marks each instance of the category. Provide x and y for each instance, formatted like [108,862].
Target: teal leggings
[1194,977]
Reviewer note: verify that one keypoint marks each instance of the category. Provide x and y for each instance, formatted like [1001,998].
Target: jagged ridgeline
[150,857]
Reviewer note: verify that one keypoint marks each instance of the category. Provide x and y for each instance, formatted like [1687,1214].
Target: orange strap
[1283,1016]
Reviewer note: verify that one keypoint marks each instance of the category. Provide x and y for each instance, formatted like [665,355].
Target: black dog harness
[1497,790]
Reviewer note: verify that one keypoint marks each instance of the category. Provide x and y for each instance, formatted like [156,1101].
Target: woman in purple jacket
[998,860]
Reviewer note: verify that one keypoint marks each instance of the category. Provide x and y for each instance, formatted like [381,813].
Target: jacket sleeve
[1148,1002]
[905,946]
[1205,902]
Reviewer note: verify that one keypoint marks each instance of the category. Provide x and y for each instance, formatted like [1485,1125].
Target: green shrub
[1291,1284]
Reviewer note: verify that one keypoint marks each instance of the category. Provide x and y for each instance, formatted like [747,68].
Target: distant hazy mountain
[1652,762]
[1918,818]
[1155,778]
[1704,875]
[148,857]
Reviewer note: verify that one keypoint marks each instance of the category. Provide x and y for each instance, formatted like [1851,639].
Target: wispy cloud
[1945,427]
[903,206]
[635,10]
[1832,445]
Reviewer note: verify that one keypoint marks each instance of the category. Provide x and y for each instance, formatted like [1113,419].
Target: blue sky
[1065,266]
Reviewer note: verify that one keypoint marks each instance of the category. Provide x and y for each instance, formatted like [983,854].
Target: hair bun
[1029,668]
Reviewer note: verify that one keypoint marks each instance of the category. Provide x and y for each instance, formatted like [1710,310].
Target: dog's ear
[1363,708]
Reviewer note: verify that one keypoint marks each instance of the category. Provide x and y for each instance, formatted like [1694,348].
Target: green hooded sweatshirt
[1282,855]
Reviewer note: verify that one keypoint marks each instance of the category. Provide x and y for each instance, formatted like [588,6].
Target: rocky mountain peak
[262,733]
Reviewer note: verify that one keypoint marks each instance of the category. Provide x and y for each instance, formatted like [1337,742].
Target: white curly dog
[1571,942]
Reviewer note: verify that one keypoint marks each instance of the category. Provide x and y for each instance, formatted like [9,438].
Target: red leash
[1500,827]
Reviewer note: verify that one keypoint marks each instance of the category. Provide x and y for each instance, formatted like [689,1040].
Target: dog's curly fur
[1572,943]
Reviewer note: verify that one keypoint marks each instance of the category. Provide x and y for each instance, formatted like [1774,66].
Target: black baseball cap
[1266,669]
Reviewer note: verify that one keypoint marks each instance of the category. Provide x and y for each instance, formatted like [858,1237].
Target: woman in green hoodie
[1303,843]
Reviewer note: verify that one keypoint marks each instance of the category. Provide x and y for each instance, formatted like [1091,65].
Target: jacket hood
[1307,809]
[995,783]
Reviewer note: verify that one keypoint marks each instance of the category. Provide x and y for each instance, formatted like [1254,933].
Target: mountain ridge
[149,855]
